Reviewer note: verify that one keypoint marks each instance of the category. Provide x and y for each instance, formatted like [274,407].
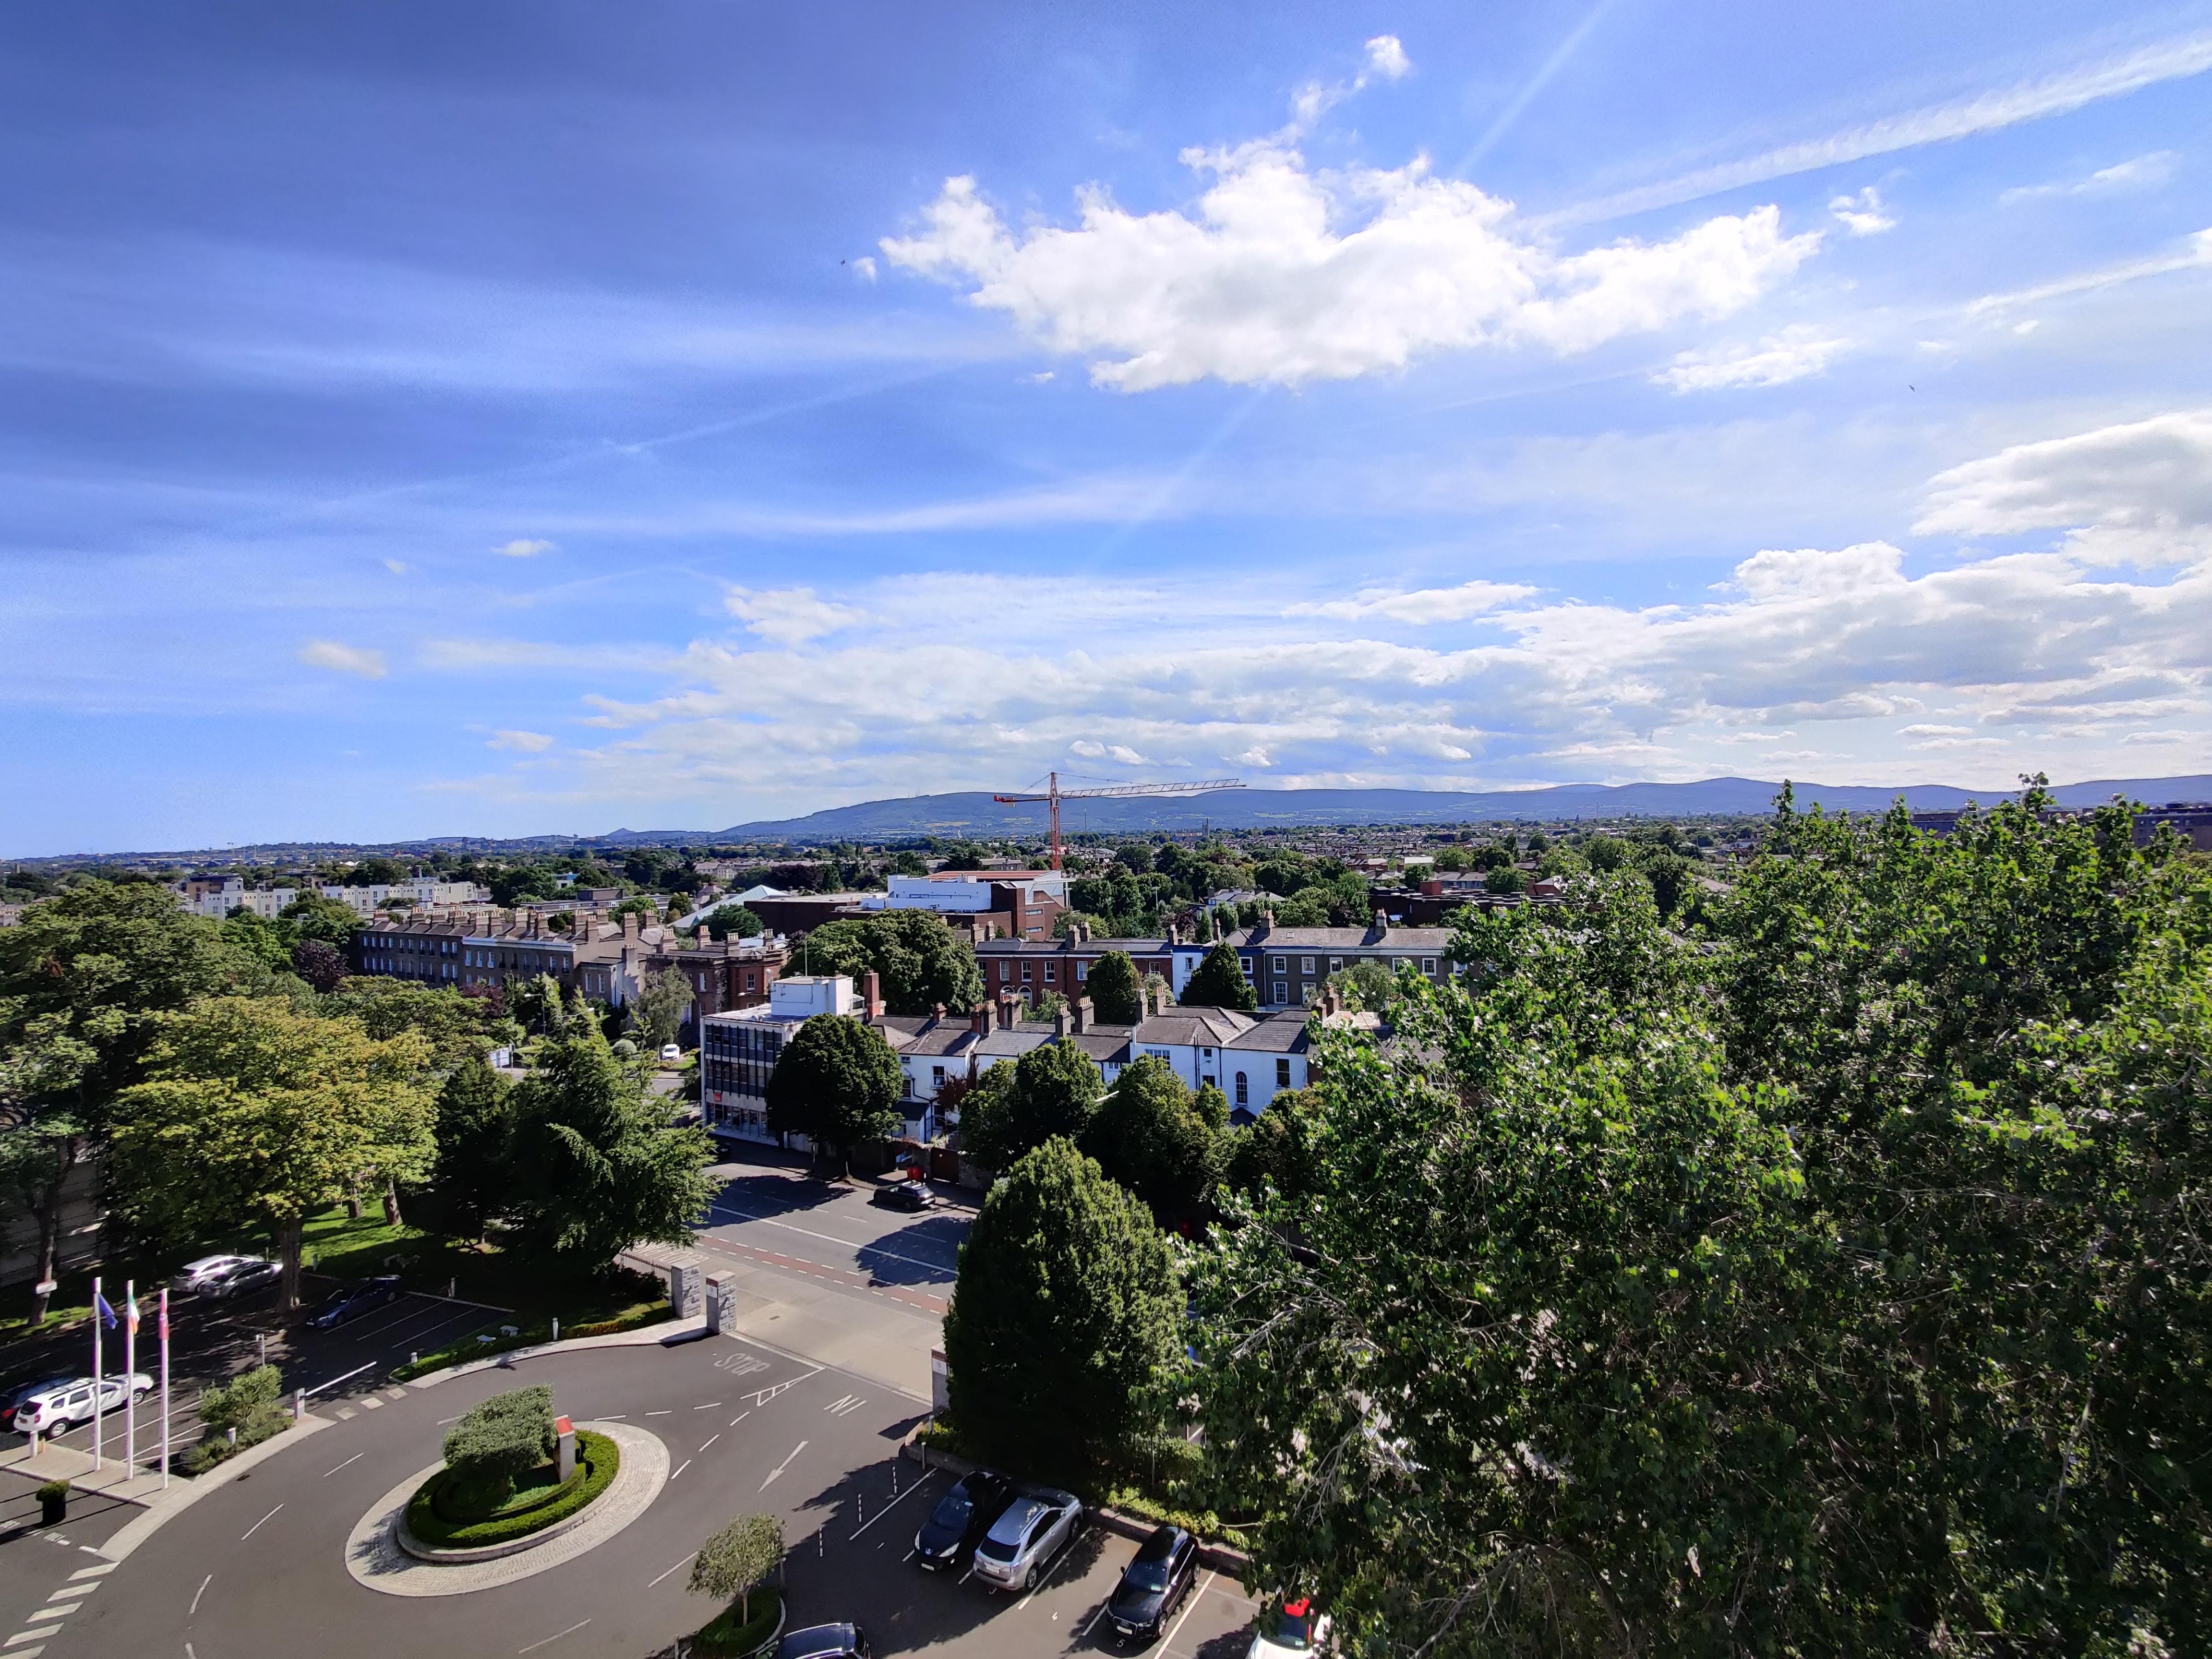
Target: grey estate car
[1027,1537]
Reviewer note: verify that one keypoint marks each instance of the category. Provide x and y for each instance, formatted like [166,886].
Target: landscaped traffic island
[514,1476]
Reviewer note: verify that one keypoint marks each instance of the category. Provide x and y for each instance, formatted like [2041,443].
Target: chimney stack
[1082,1014]
[630,925]
[937,1013]
[872,994]
[1061,1024]
[979,1019]
[1381,925]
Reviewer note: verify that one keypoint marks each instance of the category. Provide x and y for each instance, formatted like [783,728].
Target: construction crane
[1054,794]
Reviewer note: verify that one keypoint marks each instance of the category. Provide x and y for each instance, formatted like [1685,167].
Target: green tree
[663,1000]
[311,916]
[321,963]
[376,872]
[837,1083]
[497,1442]
[596,1166]
[1147,1135]
[83,979]
[921,962]
[475,1132]
[1218,981]
[734,921]
[451,1023]
[536,1003]
[1065,1316]
[1050,1091]
[251,1113]
[1367,985]
[1276,1146]
[1505,878]
[738,1560]
[518,884]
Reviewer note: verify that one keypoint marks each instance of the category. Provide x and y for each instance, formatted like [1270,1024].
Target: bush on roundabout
[434,1520]
[732,1636]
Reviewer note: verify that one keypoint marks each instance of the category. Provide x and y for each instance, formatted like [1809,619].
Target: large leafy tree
[1053,1090]
[837,1083]
[311,916]
[453,1025]
[1114,990]
[920,962]
[596,1165]
[1066,1314]
[734,921]
[476,1140]
[252,1113]
[83,979]
[663,1000]
[1148,1135]
[1218,981]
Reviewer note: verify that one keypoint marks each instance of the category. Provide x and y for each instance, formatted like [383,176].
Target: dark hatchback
[1153,1584]
[351,1301]
[961,1518]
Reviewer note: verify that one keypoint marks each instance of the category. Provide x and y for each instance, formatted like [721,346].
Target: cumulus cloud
[1425,604]
[344,659]
[1387,57]
[523,548]
[1091,749]
[1283,275]
[789,615]
[528,743]
[1862,213]
[1797,351]
[2138,493]
[864,268]
[2137,172]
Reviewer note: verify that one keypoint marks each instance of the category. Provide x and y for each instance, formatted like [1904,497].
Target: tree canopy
[1218,981]
[1113,989]
[921,962]
[734,921]
[837,1083]
[475,1136]
[1015,1107]
[1148,1135]
[1065,1318]
[657,1016]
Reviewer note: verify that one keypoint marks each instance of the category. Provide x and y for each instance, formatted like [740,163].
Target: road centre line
[680,1467]
[198,1593]
[555,1636]
[685,1562]
[258,1525]
[356,1458]
[711,1439]
[887,1508]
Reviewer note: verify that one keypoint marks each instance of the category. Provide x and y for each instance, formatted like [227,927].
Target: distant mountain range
[973,814]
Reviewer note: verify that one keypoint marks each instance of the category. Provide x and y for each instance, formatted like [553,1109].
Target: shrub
[233,1405]
[734,1636]
[500,1439]
[597,1456]
[738,1560]
[53,1491]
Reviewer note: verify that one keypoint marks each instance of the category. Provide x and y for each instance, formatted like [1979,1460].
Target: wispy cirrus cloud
[342,658]
[1795,352]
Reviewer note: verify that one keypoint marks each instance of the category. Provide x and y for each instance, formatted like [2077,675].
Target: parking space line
[1189,1607]
[887,1508]
[1066,1551]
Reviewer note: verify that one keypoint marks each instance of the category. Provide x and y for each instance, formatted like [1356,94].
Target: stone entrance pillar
[721,1303]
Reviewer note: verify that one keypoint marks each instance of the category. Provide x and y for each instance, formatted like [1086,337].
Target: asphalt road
[256,1567]
[831,1233]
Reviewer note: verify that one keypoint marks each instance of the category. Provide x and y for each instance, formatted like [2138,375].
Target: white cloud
[2069,90]
[1285,275]
[865,267]
[528,743]
[344,659]
[2137,172]
[1797,351]
[2196,250]
[2138,493]
[395,567]
[1862,213]
[1427,605]
[789,615]
[1387,57]
[523,548]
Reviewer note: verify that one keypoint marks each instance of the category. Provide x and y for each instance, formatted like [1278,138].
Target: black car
[351,1301]
[825,1641]
[1153,1584]
[961,1518]
[905,1195]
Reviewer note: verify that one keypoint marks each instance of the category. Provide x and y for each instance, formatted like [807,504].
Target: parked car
[351,1301]
[1291,1632]
[240,1278]
[910,1195]
[961,1518]
[1153,1584]
[671,1054]
[23,1391]
[825,1641]
[1027,1538]
[191,1278]
[56,1408]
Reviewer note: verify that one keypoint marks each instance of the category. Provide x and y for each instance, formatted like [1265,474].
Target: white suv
[58,1408]
[1026,1537]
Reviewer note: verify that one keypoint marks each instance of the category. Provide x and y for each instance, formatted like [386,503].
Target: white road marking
[680,1467]
[738,1418]
[781,1467]
[886,1509]
[198,1593]
[555,1637]
[657,1413]
[395,1393]
[38,1634]
[855,1244]
[347,1413]
[369,1402]
[99,1571]
[60,1610]
[256,1526]
[711,1439]
[349,1462]
[685,1562]
[709,1406]
[1189,1607]
[1066,1551]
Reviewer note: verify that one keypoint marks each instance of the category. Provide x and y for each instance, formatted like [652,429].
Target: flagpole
[95,1376]
[165,1387]
[130,1378]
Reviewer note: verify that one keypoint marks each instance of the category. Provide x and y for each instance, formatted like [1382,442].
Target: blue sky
[502,419]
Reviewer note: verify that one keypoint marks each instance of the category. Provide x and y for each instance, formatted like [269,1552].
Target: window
[1243,1096]
[1282,991]
[937,1077]
[1245,962]
[1025,973]
[1082,971]
[1282,1074]
[1429,966]
[1280,964]
[1005,972]
[1049,969]
[1305,964]
[1336,965]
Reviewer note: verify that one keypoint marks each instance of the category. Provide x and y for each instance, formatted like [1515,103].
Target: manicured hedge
[726,1638]
[600,1457]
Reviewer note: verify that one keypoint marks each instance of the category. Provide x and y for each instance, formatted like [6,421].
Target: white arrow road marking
[781,1467]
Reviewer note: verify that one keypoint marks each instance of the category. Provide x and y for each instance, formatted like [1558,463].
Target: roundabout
[378,1556]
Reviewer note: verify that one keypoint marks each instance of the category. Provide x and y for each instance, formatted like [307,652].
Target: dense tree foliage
[475,1135]
[1149,1135]
[456,1027]
[1014,1108]
[734,921]
[664,998]
[922,963]
[251,1111]
[1065,1318]
[1831,1284]
[1218,981]
[837,1083]
[1113,989]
